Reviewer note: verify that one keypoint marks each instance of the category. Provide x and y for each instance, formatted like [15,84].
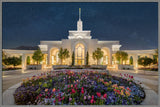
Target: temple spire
[79,23]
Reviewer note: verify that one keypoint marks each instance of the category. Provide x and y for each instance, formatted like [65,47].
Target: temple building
[80,42]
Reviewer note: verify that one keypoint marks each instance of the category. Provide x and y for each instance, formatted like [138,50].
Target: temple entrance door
[79,54]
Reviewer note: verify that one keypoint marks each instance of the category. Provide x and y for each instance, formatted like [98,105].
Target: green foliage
[97,54]
[144,61]
[28,60]
[131,60]
[156,57]
[87,58]
[12,61]
[121,56]
[3,58]
[73,58]
[63,54]
[38,56]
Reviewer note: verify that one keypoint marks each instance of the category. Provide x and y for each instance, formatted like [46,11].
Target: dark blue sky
[135,25]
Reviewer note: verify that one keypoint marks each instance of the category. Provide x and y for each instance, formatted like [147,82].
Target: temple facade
[80,42]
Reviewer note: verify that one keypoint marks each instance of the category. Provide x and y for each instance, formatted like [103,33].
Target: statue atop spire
[79,23]
[79,13]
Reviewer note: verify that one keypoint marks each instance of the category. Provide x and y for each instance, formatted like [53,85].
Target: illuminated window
[52,60]
[106,59]
[79,54]
[57,58]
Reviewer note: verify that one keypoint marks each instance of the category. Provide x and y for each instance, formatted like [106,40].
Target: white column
[135,61]
[23,61]
[110,57]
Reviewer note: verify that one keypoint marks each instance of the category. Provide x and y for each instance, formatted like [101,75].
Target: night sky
[135,25]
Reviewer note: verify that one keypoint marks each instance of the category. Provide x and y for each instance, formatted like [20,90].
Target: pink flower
[84,97]
[82,88]
[40,95]
[105,95]
[89,97]
[63,98]
[92,96]
[59,99]
[92,101]
[70,99]
[98,94]
[37,97]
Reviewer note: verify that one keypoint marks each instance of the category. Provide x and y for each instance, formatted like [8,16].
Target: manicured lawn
[79,88]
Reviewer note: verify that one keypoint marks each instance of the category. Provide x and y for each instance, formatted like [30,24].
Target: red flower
[73,91]
[63,98]
[59,99]
[129,89]
[92,96]
[98,94]
[82,88]
[131,76]
[118,91]
[82,91]
[40,95]
[105,95]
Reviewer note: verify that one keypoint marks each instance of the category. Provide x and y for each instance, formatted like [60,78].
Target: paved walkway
[148,78]
[11,78]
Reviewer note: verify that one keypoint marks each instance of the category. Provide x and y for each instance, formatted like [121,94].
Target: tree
[131,60]
[28,60]
[13,61]
[124,57]
[3,58]
[87,58]
[156,56]
[73,58]
[144,61]
[121,56]
[38,56]
[63,54]
[97,54]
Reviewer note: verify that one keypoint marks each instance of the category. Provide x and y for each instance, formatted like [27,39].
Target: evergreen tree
[73,55]
[87,58]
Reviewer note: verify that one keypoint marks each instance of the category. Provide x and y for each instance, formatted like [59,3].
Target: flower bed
[79,88]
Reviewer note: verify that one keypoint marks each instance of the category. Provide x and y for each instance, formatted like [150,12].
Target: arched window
[79,54]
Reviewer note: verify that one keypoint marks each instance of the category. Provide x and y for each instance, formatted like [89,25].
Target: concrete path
[148,78]
[13,77]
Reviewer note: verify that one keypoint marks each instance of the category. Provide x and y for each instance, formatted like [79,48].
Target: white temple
[80,42]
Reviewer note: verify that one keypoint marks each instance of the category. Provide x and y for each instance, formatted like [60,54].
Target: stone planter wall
[79,67]
[125,67]
[34,67]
